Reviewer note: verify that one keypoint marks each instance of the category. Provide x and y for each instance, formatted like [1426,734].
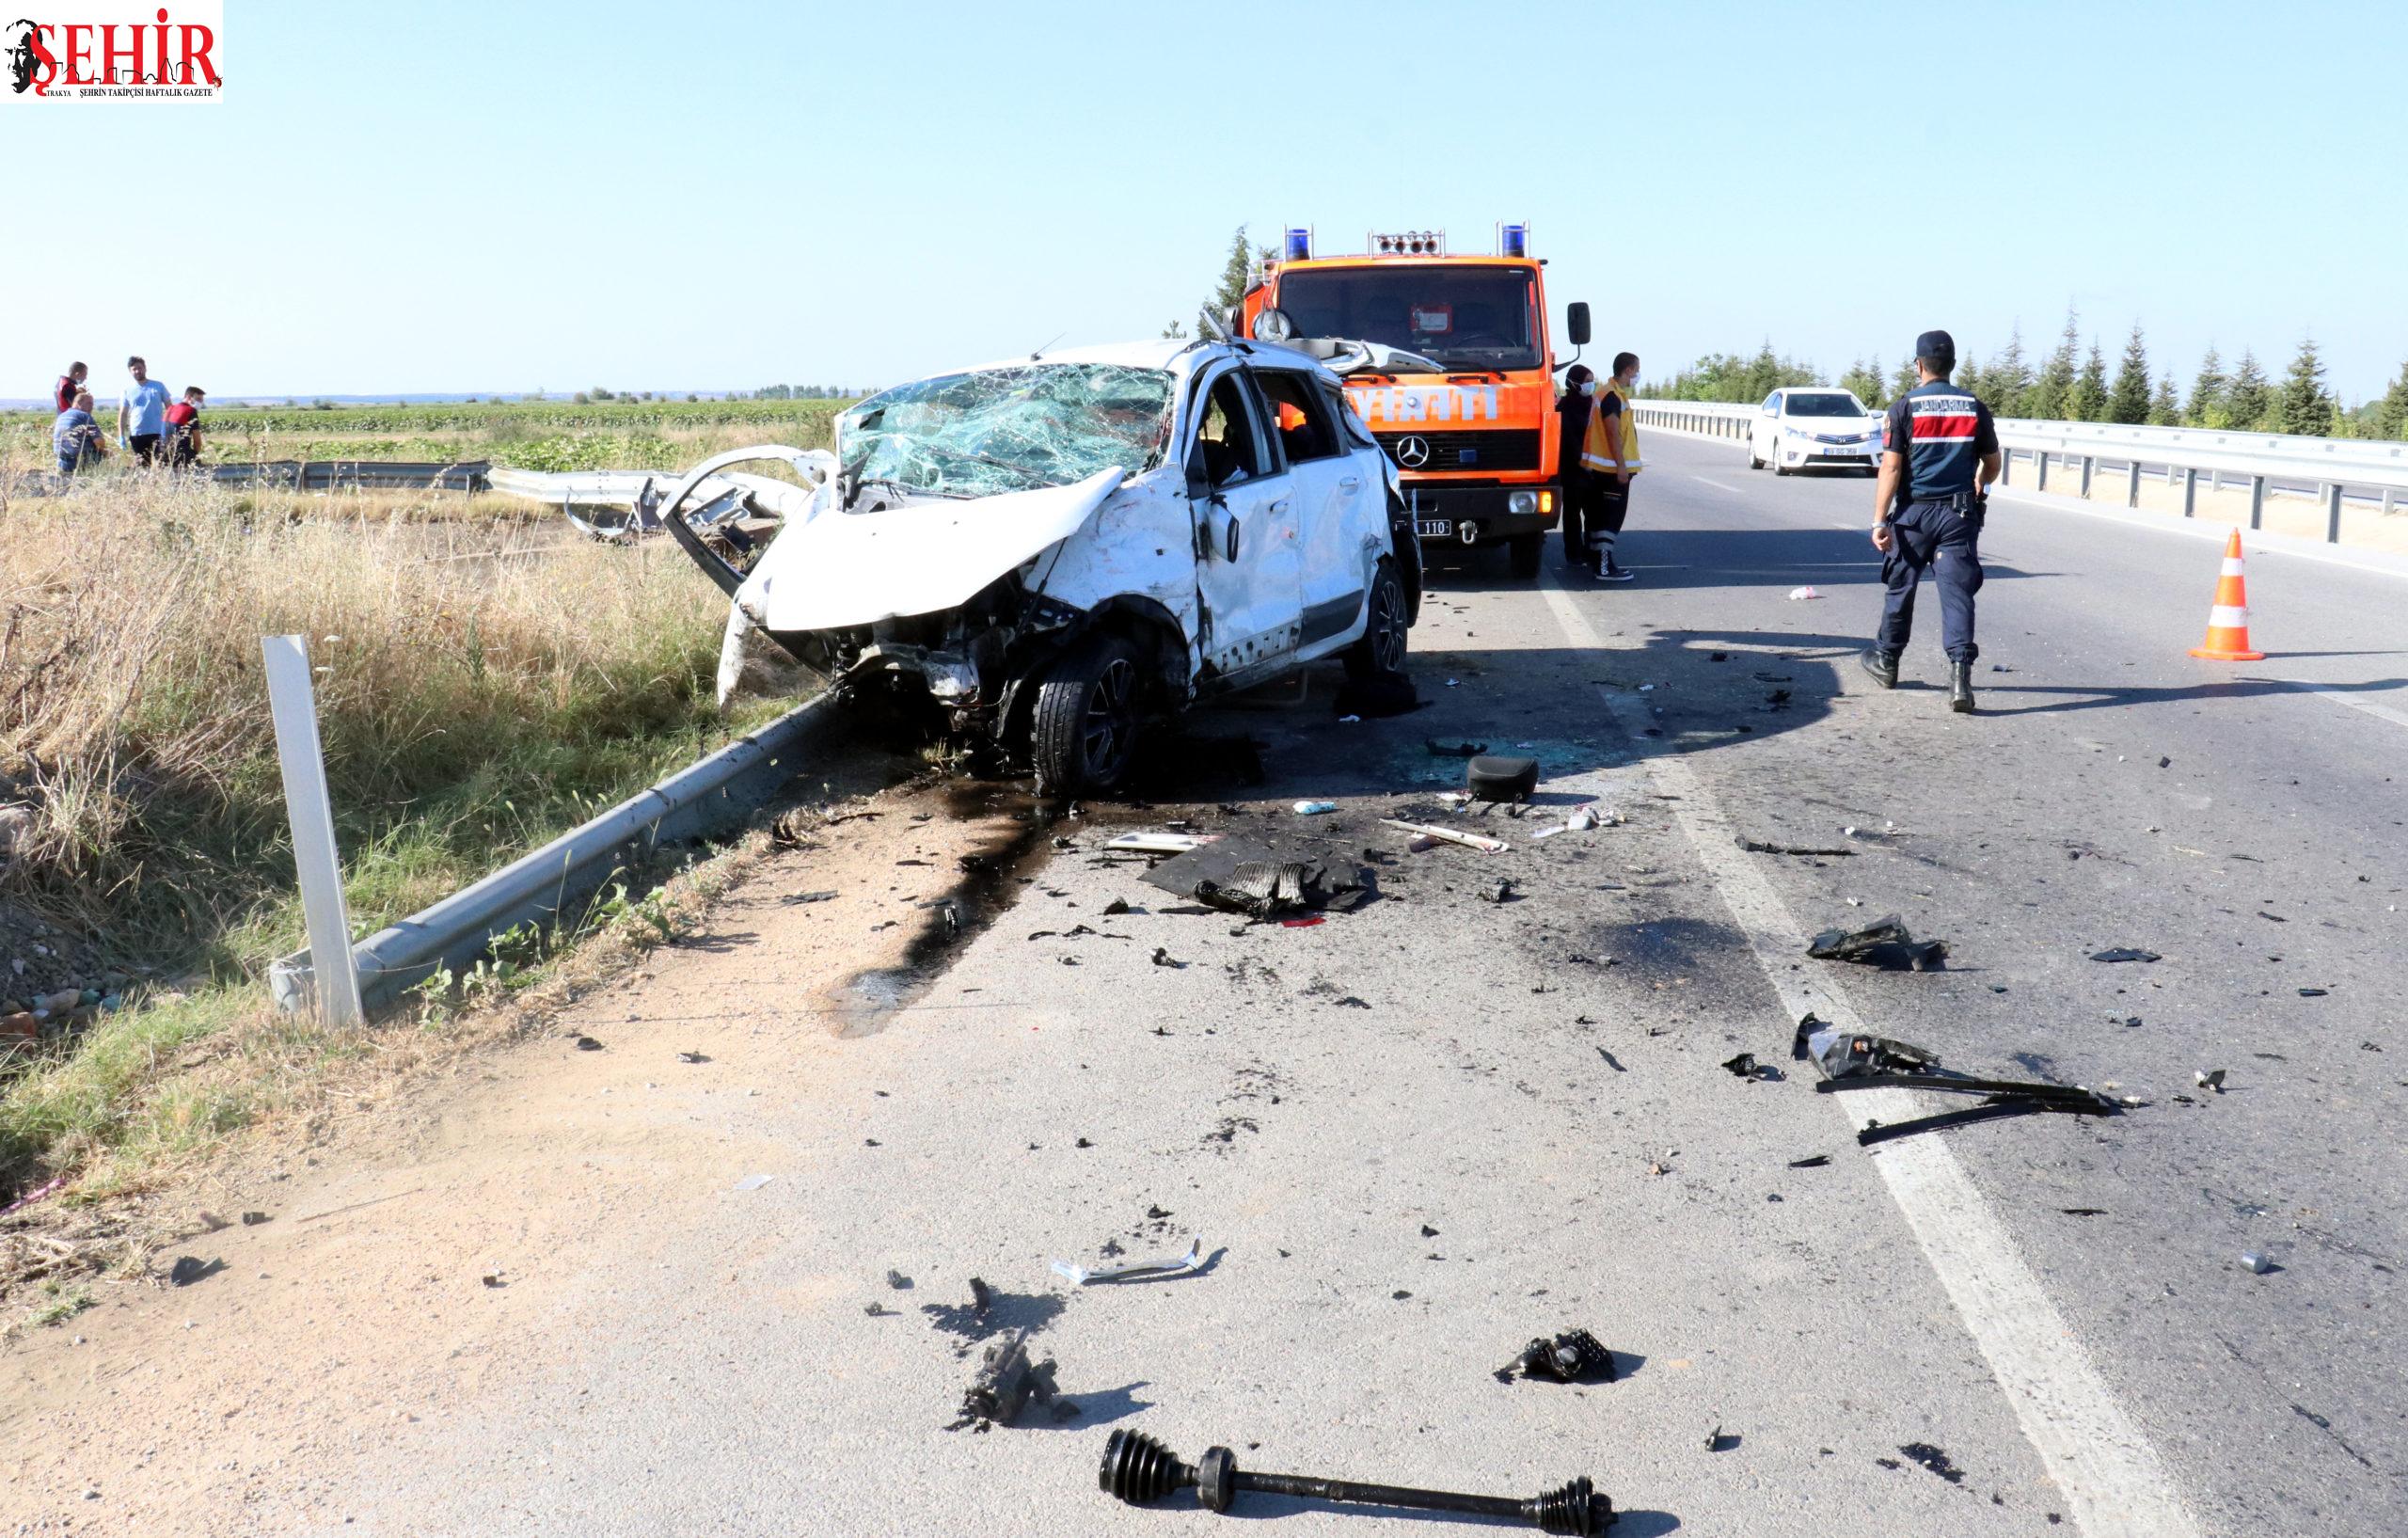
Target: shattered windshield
[1463,317]
[999,430]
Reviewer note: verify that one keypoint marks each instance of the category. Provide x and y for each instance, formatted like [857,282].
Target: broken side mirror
[1575,323]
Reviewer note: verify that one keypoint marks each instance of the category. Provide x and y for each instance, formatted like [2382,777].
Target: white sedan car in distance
[1808,427]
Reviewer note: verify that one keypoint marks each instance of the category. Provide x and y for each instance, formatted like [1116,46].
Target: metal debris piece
[2255,1264]
[1843,1055]
[1154,843]
[2210,1079]
[1481,842]
[753,1182]
[1813,1161]
[1746,1067]
[189,1269]
[2126,953]
[1007,1381]
[796,898]
[1573,1356]
[1885,943]
[1162,958]
[1138,1470]
[1079,1275]
[1758,846]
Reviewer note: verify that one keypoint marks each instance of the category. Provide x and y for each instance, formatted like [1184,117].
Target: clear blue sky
[442,196]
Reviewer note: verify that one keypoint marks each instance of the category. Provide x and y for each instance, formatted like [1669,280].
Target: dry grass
[483,683]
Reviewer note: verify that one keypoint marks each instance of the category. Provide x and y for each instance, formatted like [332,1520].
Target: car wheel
[1381,651]
[1084,732]
[1526,551]
[1777,468]
[1755,460]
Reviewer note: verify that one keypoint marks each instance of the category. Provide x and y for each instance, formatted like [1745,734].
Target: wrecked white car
[1058,551]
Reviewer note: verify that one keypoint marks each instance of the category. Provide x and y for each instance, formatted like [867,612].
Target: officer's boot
[1883,666]
[1960,687]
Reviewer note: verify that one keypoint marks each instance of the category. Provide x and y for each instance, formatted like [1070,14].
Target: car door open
[1335,538]
[1248,569]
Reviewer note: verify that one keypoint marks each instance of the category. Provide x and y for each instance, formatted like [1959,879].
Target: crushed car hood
[843,570]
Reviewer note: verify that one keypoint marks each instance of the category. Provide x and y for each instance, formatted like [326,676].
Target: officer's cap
[1937,348]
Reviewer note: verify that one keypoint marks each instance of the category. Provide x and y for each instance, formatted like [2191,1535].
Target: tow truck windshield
[1463,317]
[992,431]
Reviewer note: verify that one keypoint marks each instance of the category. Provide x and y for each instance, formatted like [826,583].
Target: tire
[1524,553]
[1381,650]
[1754,463]
[1083,731]
[1777,467]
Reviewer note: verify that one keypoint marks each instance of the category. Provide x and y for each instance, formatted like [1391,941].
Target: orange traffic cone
[2228,618]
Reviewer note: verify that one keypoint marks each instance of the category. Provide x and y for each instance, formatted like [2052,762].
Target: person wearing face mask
[1610,454]
[1579,395]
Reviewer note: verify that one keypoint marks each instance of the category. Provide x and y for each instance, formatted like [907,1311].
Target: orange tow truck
[1467,410]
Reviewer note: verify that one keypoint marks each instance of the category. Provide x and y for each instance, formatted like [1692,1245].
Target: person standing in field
[142,411]
[1580,396]
[70,384]
[183,427]
[76,437]
[1609,453]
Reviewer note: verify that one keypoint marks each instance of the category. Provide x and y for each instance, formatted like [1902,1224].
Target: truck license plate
[1435,528]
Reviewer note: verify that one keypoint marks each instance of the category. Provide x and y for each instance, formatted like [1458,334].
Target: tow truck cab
[1476,442]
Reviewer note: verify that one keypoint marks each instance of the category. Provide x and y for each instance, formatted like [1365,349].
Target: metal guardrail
[302,475]
[539,888]
[2335,466]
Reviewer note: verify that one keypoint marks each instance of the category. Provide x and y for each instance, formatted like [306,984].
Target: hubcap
[1106,737]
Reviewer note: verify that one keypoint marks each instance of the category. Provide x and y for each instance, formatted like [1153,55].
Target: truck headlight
[1521,501]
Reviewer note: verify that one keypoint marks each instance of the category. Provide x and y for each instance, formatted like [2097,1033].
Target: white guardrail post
[293,703]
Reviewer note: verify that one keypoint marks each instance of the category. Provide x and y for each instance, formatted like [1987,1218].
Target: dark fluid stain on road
[992,876]
[1935,1459]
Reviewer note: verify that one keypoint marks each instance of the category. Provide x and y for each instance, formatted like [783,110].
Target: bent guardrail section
[713,793]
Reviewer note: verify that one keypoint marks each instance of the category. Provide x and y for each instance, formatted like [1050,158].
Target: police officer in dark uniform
[1940,454]
[1579,489]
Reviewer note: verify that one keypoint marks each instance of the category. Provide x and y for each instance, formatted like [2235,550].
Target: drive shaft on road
[1138,1470]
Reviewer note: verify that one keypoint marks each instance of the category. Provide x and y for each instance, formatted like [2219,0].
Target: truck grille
[1483,452]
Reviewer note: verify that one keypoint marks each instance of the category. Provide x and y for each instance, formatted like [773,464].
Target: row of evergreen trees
[2071,385]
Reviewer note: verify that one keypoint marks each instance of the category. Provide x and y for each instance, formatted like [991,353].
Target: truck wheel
[1382,649]
[1526,550]
[1083,731]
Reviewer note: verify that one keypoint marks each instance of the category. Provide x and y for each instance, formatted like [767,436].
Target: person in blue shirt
[75,436]
[1939,456]
[142,412]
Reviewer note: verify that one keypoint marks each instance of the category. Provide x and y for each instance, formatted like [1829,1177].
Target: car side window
[1226,437]
[1349,419]
[1304,425]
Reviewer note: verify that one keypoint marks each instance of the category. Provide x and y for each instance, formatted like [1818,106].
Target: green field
[532,435]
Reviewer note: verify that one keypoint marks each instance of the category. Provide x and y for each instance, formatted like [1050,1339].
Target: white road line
[1718,485]
[2397,717]
[2110,1474]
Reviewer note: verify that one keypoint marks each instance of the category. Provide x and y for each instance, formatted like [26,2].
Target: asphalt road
[1412,1136]
[1416,1135]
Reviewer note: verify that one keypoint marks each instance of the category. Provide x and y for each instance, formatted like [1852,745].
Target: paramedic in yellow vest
[1609,453]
